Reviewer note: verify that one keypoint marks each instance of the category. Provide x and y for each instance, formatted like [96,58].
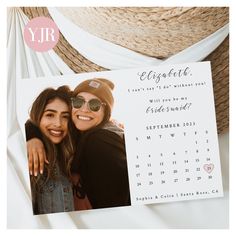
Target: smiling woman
[54,122]
[50,113]
[88,111]
[100,157]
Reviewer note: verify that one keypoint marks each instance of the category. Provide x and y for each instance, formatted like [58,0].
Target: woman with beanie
[100,157]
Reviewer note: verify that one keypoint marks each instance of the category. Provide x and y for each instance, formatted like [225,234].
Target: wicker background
[158,32]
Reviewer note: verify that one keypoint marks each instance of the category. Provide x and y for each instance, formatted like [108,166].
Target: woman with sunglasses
[100,157]
[50,113]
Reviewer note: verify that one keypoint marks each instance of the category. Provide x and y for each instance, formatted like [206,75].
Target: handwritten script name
[157,76]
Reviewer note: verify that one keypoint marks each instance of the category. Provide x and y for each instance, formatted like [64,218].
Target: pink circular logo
[41,34]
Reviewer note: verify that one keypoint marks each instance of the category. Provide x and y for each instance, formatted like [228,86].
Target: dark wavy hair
[56,153]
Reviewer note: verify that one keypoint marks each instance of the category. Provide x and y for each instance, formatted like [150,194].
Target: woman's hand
[36,156]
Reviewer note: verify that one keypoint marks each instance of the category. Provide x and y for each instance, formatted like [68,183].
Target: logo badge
[94,84]
[41,34]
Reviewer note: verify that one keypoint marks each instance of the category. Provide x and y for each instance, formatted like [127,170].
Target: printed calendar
[171,136]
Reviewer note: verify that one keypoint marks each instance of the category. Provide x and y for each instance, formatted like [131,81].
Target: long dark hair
[56,153]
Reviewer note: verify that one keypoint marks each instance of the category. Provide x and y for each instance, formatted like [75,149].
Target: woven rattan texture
[154,31]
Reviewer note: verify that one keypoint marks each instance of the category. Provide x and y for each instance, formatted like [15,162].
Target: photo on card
[120,138]
[75,120]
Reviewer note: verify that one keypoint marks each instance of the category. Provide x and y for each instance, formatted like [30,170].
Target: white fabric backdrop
[24,63]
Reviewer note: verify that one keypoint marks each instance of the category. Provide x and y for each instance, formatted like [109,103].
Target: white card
[170,128]
[171,137]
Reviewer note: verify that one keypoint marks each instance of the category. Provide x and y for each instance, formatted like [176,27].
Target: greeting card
[137,136]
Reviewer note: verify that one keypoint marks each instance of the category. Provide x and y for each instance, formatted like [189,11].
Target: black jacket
[101,161]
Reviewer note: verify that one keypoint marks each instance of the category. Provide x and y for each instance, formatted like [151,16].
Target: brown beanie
[102,88]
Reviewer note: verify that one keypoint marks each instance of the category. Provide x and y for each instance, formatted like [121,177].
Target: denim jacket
[55,195]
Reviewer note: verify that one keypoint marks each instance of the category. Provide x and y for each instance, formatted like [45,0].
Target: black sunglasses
[93,104]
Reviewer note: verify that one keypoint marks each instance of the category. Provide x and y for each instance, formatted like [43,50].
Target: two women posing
[79,151]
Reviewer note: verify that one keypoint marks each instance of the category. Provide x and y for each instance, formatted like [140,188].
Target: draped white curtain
[25,63]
